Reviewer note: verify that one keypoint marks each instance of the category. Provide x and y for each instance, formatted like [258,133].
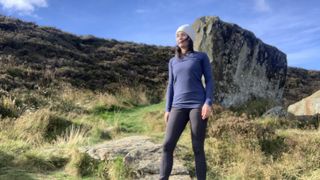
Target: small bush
[64,106]
[238,126]
[273,146]
[73,135]
[16,72]
[133,96]
[104,108]
[81,164]
[41,125]
[97,135]
[5,159]
[118,170]
[255,107]
[8,107]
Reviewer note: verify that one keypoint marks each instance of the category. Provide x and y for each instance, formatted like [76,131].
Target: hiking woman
[187,99]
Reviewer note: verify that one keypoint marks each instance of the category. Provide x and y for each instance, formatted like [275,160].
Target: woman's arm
[207,72]
[169,94]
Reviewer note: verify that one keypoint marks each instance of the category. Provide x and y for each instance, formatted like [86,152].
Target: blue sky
[290,25]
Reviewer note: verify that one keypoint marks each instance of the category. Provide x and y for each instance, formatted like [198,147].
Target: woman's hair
[190,48]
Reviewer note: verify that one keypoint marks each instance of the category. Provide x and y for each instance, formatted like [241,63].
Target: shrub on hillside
[254,107]
[41,125]
[8,107]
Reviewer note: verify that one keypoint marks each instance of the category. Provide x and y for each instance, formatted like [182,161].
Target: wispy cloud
[23,6]
[141,11]
[296,34]
[262,6]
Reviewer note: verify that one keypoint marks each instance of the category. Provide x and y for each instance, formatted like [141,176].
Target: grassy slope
[236,147]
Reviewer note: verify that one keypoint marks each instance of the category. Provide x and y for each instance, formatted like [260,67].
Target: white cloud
[262,6]
[141,11]
[23,6]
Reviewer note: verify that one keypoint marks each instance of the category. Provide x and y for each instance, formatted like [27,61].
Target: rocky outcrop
[309,106]
[275,112]
[140,154]
[244,67]
[300,83]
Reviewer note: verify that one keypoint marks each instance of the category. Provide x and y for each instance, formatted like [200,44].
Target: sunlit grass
[43,142]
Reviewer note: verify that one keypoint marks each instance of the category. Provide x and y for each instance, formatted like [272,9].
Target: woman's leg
[198,133]
[178,118]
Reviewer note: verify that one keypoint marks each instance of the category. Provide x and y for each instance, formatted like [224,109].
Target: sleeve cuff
[208,101]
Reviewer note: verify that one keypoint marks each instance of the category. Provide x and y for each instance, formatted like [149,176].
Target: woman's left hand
[206,110]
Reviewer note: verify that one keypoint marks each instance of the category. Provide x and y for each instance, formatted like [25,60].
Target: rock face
[308,106]
[244,67]
[140,154]
[275,112]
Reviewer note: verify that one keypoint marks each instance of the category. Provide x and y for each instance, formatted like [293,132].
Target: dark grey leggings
[178,118]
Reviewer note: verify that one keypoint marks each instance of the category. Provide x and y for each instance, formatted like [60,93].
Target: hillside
[32,56]
[300,83]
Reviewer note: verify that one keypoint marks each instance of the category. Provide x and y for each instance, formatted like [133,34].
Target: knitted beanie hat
[188,30]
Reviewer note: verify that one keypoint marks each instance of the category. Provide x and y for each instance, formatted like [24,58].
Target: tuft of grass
[81,164]
[96,135]
[135,96]
[118,170]
[40,126]
[8,107]
[72,137]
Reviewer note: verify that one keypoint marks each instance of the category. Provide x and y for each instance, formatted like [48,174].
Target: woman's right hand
[166,117]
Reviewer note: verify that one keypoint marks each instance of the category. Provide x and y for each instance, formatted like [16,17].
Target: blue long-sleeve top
[185,88]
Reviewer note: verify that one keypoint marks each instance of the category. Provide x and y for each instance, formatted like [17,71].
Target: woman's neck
[184,50]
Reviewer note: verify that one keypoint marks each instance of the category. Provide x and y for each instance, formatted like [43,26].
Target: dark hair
[190,48]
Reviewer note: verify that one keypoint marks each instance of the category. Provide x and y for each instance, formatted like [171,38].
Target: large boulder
[244,67]
[140,154]
[309,106]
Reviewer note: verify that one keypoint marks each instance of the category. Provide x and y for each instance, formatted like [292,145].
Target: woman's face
[182,39]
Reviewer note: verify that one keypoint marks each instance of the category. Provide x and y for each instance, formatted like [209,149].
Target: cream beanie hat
[188,30]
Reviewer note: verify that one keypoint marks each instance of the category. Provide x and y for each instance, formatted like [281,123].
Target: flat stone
[140,154]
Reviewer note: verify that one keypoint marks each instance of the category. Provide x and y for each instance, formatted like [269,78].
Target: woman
[187,99]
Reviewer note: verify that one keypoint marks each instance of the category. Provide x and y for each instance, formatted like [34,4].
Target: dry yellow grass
[240,148]
[72,137]
[39,126]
